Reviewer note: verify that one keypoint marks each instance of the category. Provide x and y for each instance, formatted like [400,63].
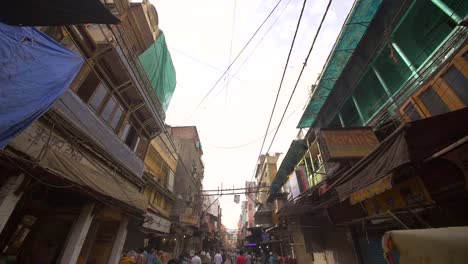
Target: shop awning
[294,154]
[100,182]
[434,245]
[410,143]
[55,13]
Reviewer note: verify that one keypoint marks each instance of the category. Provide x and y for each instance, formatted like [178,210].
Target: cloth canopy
[434,245]
[99,181]
[35,71]
[412,142]
[55,13]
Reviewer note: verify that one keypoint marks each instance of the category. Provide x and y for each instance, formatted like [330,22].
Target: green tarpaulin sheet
[157,63]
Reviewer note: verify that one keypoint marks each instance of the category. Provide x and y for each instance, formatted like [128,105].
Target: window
[132,139]
[411,112]
[170,182]
[116,118]
[141,147]
[88,86]
[99,95]
[458,83]
[125,130]
[433,102]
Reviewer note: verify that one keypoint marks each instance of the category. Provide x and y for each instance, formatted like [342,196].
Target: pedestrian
[126,259]
[218,258]
[249,258]
[241,259]
[195,258]
[272,259]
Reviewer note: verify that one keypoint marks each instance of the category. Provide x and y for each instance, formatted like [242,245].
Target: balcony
[78,114]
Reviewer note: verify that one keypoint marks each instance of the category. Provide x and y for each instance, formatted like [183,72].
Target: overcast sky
[199,35]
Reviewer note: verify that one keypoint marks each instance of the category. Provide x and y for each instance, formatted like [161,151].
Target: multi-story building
[386,125]
[264,176]
[211,224]
[73,181]
[250,199]
[189,174]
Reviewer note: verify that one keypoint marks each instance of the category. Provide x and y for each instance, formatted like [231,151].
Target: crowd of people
[154,256]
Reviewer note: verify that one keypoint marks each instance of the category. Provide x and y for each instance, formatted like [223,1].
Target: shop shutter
[371,251]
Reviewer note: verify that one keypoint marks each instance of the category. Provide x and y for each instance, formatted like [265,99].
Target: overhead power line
[298,79]
[258,44]
[235,59]
[279,88]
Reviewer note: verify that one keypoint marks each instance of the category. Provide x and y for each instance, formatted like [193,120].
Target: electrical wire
[258,44]
[255,140]
[235,59]
[230,50]
[279,90]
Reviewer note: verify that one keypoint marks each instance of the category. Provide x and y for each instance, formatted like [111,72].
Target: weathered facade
[74,181]
[382,134]
[189,174]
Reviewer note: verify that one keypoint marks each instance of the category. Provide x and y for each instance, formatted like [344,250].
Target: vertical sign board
[347,143]
[236,198]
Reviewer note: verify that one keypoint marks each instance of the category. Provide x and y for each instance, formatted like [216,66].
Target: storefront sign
[407,193]
[157,223]
[349,143]
[375,188]
[189,219]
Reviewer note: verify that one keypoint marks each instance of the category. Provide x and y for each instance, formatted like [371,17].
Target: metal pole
[447,10]
[341,119]
[384,84]
[405,59]
[358,110]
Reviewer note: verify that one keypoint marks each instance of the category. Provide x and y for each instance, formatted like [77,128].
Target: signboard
[347,143]
[408,193]
[157,223]
[236,198]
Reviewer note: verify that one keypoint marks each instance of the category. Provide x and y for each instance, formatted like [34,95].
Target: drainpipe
[405,59]
[447,10]
[358,110]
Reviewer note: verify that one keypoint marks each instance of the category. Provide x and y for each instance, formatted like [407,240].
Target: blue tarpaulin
[34,72]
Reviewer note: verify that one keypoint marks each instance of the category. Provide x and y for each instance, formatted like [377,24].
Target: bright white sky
[198,34]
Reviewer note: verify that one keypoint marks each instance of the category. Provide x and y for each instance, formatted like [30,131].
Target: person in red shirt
[241,259]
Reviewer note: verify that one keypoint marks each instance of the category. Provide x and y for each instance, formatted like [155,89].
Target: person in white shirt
[196,259]
[218,258]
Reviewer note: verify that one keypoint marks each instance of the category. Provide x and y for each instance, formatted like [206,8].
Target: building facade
[384,126]
[73,183]
[187,210]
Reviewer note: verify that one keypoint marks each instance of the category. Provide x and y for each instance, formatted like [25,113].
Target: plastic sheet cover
[157,63]
[35,71]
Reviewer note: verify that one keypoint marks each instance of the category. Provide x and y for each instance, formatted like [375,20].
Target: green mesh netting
[157,63]
[356,26]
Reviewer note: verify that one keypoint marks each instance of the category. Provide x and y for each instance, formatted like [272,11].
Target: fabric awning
[101,182]
[434,245]
[55,13]
[412,142]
